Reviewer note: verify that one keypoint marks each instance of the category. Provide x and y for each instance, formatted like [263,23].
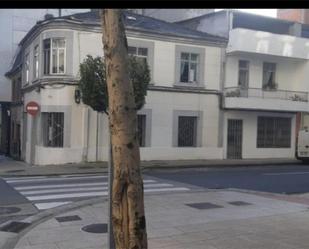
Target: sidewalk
[215,220]
[226,219]
[10,167]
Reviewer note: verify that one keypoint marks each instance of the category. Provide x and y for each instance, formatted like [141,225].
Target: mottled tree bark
[129,224]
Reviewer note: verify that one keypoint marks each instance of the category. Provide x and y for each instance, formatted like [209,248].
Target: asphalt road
[288,179]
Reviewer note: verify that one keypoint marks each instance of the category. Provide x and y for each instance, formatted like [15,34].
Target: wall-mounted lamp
[77,96]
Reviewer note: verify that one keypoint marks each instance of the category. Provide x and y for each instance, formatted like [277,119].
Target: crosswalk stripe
[64,196]
[68,185]
[55,179]
[98,193]
[42,206]
[23,178]
[157,185]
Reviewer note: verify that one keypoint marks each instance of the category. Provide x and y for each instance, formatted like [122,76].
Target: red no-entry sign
[32,108]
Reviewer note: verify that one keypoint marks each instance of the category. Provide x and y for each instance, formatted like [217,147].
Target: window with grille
[243,73]
[274,132]
[187,127]
[141,129]
[54,56]
[53,123]
[188,67]
[36,62]
[139,52]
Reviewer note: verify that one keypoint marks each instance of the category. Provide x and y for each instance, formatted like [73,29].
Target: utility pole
[128,215]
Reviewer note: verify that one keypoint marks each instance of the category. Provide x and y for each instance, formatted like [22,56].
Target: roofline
[241,13]
[200,17]
[88,25]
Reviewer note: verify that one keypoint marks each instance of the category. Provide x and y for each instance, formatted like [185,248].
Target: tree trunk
[129,223]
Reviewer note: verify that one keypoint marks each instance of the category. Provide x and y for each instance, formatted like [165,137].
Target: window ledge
[188,85]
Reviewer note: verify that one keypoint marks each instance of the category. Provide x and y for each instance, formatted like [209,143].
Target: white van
[302,152]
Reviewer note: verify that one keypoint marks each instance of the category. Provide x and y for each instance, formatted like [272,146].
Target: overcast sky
[264,12]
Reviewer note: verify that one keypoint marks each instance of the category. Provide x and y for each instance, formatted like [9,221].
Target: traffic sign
[32,108]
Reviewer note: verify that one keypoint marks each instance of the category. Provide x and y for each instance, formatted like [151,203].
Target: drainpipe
[221,98]
[97,138]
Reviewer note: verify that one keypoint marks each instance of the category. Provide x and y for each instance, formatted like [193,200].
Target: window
[139,52]
[274,132]
[36,62]
[243,73]
[187,127]
[189,67]
[141,129]
[27,68]
[54,56]
[269,75]
[53,129]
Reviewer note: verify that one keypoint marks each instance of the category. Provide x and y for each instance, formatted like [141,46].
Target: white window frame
[51,57]
[189,65]
[27,67]
[36,62]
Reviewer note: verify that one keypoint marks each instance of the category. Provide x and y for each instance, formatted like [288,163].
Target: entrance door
[234,139]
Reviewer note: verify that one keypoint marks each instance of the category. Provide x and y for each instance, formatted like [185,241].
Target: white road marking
[157,185]
[42,206]
[68,185]
[286,173]
[22,178]
[64,196]
[165,189]
[55,179]
[98,193]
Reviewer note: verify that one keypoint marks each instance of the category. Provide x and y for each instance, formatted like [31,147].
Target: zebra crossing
[47,192]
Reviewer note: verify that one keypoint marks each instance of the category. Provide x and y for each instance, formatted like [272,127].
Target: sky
[264,12]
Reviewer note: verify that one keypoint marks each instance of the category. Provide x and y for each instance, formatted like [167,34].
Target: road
[34,194]
[287,179]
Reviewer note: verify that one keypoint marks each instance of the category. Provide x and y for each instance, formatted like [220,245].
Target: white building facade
[180,120]
[14,25]
[265,96]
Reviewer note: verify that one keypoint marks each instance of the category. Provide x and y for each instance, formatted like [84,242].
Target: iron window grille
[54,56]
[243,73]
[274,132]
[187,131]
[141,129]
[53,124]
[189,67]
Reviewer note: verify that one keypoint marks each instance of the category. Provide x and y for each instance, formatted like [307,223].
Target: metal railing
[266,94]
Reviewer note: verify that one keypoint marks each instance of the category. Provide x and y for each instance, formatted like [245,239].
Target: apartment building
[265,96]
[180,120]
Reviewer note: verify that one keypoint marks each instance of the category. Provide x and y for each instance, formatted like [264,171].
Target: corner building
[180,120]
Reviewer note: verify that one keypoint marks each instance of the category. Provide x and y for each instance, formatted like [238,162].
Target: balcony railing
[265,94]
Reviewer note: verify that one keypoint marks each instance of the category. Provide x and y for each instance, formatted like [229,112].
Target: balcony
[252,41]
[261,99]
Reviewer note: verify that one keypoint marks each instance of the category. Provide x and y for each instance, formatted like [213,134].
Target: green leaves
[93,87]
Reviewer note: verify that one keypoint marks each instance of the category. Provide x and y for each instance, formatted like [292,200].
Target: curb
[8,240]
[162,166]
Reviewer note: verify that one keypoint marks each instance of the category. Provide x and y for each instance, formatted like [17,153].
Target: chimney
[294,15]
[48,16]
